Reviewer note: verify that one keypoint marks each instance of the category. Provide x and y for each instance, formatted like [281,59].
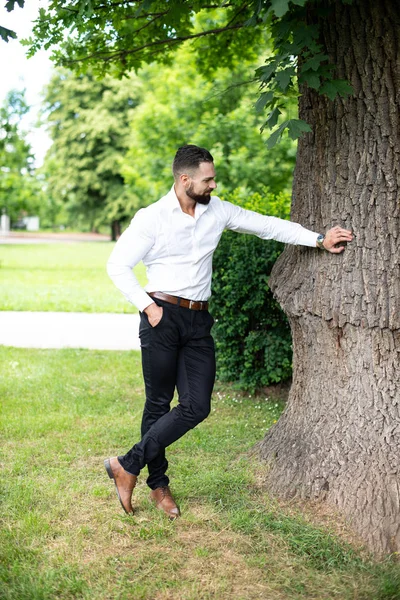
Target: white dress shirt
[177,249]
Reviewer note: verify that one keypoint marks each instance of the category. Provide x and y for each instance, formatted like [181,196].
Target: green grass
[60,277]
[65,536]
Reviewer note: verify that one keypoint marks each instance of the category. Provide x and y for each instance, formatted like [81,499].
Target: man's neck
[188,205]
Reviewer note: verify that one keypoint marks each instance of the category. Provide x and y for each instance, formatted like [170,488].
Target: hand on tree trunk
[336,239]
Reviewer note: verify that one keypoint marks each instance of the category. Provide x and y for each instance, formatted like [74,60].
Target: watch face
[320,238]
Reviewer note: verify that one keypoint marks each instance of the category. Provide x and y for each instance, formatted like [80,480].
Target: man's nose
[212,185]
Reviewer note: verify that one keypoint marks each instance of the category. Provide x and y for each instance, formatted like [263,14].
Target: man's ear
[184,179]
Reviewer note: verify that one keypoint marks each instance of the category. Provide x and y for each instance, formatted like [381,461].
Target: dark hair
[188,158]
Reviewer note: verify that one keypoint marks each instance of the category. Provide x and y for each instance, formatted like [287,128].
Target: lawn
[64,535]
[60,277]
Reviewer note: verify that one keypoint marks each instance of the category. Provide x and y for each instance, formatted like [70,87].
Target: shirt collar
[173,202]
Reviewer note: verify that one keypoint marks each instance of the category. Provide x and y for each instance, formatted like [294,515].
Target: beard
[200,198]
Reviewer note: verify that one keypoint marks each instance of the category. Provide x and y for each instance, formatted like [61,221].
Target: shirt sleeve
[267,228]
[130,249]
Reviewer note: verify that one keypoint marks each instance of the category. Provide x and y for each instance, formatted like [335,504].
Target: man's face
[202,182]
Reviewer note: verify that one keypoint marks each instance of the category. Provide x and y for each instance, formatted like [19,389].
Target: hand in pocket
[154,314]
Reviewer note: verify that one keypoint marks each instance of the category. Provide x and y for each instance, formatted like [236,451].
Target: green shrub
[251,331]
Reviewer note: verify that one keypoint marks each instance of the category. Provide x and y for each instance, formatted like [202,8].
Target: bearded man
[176,238]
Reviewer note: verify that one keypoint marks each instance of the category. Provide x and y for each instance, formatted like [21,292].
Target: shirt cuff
[141,300]
[309,238]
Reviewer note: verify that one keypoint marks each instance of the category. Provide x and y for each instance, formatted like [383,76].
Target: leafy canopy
[19,189]
[114,140]
[117,36]
[183,106]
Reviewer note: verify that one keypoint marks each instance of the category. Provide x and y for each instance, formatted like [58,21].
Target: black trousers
[179,352]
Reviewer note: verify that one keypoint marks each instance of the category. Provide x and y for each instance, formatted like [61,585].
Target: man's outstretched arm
[288,232]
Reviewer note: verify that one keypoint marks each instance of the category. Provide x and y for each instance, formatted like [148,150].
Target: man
[176,237]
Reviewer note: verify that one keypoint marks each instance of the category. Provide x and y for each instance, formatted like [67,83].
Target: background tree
[339,436]
[142,138]
[89,125]
[183,106]
[19,189]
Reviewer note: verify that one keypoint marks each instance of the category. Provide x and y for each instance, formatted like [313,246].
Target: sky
[18,72]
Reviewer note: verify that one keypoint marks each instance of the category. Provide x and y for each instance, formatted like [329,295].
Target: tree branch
[241,9]
[176,40]
[146,16]
[206,6]
[123,3]
[230,87]
[148,23]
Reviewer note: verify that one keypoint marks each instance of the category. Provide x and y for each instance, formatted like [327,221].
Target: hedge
[252,334]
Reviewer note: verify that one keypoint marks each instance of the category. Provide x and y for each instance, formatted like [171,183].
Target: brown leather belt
[192,304]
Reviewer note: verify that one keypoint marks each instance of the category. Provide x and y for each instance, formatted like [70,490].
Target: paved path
[27,237]
[96,331]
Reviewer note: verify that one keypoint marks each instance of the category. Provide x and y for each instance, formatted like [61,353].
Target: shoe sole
[110,473]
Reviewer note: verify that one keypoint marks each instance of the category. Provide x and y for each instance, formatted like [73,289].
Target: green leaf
[280,7]
[10,5]
[311,79]
[314,62]
[146,4]
[7,34]
[296,127]
[263,100]
[273,118]
[252,22]
[336,86]
[329,89]
[276,135]
[283,78]
[265,73]
[344,88]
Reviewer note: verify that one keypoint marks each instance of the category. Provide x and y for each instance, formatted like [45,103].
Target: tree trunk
[115,230]
[339,437]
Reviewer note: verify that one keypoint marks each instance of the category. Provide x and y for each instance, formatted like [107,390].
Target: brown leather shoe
[163,500]
[124,482]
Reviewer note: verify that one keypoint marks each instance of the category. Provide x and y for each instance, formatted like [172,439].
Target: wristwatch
[320,241]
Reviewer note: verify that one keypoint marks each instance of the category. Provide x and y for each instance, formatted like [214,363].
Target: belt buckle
[190,303]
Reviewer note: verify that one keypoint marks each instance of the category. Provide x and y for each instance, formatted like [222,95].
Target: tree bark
[339,437]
